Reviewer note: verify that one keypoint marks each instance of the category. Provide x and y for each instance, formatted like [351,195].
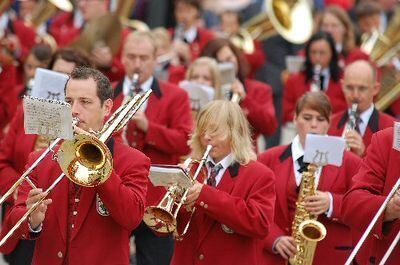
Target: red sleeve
[126,193]
[259,107]
[172,138]
[256,59]
[367,188]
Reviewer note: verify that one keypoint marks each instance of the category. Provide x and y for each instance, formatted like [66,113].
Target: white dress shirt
[225,163]
[127,86]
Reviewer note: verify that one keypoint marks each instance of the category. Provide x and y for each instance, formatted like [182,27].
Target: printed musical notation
[50,118]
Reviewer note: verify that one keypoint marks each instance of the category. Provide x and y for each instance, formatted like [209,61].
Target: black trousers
[22,254]
[151,249]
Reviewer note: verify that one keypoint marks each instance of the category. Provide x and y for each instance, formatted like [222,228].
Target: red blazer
[378,121]
[229,218]
[14,152]
[8,97]
[63,30]
[378,173]
[123,194]
[259,108]
[353,55]
[256,59]
[337,180]
[202,38]
[296,86]
[170,123]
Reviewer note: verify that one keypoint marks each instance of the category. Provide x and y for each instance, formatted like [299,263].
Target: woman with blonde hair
[204,71]
[235,207]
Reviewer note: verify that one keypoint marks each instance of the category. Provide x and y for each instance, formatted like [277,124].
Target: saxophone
[306,230]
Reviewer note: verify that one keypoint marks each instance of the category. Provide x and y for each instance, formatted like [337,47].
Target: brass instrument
[46,9]
[292,19]
[86,160]
[352,123]
[387,46]
[25,175]
[162,218]
[390,88]
[394,191]
[316,84]
[306,230]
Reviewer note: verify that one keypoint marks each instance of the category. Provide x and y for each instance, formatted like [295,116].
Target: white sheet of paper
[294,63]
[46,117]
[396,136]
[49,84]
[227,73]
[166,176]
[323,149]
[199,94]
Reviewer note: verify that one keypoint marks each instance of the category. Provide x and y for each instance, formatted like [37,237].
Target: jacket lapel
[284,171]
[226,184]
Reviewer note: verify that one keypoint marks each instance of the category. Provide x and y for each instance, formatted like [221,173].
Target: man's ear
[376,88]
[107,105]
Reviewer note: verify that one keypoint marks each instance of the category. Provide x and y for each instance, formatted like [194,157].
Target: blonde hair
[213,68]
[161,35]
[226,118]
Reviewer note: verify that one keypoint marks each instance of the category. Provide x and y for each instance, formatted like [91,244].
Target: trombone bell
[85,160]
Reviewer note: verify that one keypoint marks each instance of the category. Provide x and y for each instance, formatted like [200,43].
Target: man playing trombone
[81,225]
[371,185]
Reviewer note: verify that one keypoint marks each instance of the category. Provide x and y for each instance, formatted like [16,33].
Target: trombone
[86,160]
[163,217]
[380,211]
[25,175]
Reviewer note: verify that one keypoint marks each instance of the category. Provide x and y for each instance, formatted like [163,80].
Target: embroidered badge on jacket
[226,229]
[101,208]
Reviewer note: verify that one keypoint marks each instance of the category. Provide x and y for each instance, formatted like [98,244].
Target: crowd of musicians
[242,207]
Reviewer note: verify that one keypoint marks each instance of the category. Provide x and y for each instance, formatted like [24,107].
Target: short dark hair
[71,55]
[104,89]
[195,3]
[367,9]
[42,52]
[317,101]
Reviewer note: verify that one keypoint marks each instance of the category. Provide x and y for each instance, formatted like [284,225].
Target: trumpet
[86,160]
[25,175]
[163,217]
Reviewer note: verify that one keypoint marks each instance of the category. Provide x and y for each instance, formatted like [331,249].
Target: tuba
[43,12]
[292,19]
[306,230]
[163,217]
[86,160]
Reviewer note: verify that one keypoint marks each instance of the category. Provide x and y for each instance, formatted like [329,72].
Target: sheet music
[49,118]
[167,175]
[199,94]
[323,149]
[49,84]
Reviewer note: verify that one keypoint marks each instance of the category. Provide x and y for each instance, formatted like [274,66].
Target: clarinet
[316,84]
[352,123]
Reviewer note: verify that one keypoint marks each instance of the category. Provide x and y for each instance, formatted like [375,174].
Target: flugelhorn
[163,217]
[25,175]
[86,160]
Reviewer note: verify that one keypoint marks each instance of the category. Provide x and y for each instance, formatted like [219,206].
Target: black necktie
[214,169]
[321,82]
[302,164]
